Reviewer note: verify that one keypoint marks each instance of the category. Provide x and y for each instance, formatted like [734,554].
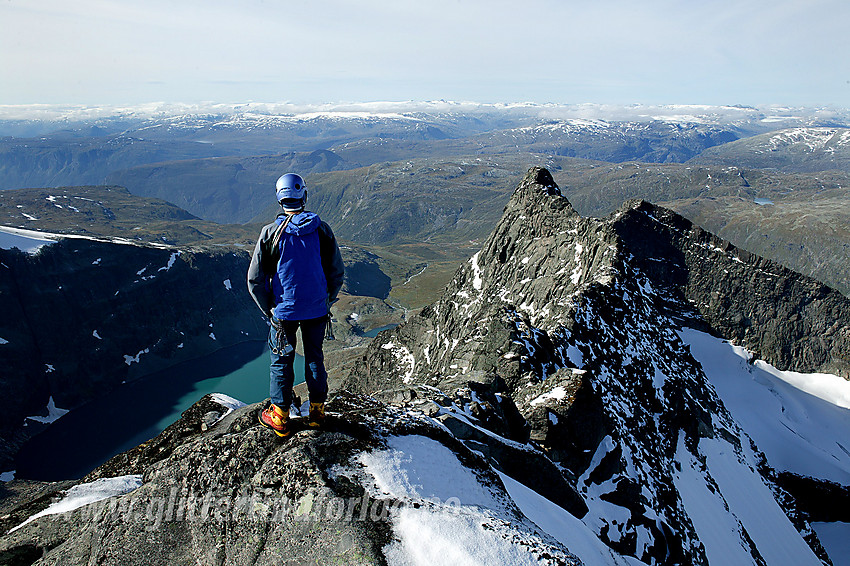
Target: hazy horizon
[618,52]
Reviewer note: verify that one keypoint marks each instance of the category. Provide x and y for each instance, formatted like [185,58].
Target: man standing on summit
[295,275]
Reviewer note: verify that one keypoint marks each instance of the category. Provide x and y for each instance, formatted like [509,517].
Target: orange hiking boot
[317,415]
[275,419]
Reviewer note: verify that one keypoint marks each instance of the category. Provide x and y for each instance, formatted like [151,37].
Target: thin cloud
[614,51]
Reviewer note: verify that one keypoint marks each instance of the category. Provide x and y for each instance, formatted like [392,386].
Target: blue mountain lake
[137,411]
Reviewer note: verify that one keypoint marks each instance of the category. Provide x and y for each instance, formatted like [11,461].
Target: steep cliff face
[81,316]
[788,319]
[567,331]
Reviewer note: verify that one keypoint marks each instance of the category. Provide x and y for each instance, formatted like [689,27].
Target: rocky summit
[627,390]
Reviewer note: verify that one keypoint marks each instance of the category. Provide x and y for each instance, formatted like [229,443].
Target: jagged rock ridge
[563,330]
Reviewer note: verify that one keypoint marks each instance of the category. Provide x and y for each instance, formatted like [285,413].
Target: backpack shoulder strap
[276,239]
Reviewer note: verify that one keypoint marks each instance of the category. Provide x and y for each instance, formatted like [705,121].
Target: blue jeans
[281,372]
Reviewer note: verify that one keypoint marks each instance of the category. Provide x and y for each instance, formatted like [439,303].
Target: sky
[103,52]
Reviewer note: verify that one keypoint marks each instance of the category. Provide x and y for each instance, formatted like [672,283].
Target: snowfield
[26,241]
[19,236]
[450,515]
[800,421]
[270,114]
[735,505]
[835,538]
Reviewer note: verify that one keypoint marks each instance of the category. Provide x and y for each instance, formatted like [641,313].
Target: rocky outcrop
[217,488]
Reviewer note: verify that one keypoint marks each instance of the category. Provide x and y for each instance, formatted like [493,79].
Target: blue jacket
[300,279]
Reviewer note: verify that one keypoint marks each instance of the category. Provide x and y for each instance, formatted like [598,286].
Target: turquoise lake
[137,411]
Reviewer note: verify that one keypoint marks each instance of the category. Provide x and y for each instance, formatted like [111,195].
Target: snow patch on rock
[128,359]
[54,413]
[477,282]
[227,401]
[87,493]
[171,261]
[558,394]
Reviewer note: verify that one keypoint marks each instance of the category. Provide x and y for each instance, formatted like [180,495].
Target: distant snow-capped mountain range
[775,116]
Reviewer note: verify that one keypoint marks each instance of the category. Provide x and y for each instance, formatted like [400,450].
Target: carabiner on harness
[329,331]
[280,346]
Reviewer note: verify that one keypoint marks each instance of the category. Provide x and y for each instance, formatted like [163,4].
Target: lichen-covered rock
[236,494]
